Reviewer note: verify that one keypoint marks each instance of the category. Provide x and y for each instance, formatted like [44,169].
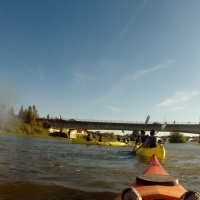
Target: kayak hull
[93,142]
[81,141]
[159,151]
[156,183]
[115,144]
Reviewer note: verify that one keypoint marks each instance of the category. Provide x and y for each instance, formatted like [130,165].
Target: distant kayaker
[100,137]
[137,141]
[128,139]
[143,138]
[152,140]
[124,140]
[88,137]
[118,138]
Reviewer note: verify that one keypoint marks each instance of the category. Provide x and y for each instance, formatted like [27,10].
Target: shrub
[176,137]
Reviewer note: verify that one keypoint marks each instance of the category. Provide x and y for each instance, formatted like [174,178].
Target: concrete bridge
[126,126]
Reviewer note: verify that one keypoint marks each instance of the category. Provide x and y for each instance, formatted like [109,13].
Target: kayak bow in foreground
[155,183]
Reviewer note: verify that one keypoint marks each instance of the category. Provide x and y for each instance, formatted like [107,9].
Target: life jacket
[138,139]
[100,138]
[88,138]
[144,138]
[152,142]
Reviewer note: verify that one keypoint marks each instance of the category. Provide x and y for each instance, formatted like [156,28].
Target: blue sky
[102,60]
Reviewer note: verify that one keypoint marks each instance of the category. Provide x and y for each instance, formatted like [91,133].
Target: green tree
[11,111]
[30,118]
[21,113]
[2,109]
[176,137]
[35,112]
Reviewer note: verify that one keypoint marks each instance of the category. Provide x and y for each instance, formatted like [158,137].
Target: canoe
[154,183]
[93,142]
[81,141]
[159,151]
[115,143]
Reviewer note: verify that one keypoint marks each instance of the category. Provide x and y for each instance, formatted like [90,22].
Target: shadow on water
[31,191]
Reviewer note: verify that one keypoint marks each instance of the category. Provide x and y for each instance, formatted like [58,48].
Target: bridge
[121,125]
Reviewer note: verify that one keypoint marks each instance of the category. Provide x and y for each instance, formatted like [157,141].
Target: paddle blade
[147,120]
[163,126]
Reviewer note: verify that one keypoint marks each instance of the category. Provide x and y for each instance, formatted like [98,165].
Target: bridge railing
[129,122]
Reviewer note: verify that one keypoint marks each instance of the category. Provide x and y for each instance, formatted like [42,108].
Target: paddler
[89,137]
[143,138]
[100,137]
[152,140]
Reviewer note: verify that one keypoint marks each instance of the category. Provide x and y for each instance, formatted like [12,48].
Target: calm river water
[37,168]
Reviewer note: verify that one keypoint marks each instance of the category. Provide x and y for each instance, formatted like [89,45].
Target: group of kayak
[90,141]
[103,143]
[155,183]
[145,145]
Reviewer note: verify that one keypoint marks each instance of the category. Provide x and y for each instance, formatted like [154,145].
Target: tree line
[27,115]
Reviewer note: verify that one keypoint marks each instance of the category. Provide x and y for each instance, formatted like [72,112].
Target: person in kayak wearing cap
[143,138]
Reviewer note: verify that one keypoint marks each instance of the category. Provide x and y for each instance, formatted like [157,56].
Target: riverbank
[13,125]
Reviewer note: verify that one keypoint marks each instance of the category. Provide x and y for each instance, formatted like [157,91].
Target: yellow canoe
[159,151]
[93,142]
[81,141]
[115,143]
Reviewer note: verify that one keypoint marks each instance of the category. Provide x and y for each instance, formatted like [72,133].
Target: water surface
[43,168]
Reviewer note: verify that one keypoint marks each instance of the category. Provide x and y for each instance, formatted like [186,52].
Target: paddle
[146,122]
[162,128]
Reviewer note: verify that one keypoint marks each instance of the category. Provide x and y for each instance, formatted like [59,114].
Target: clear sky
[102,60]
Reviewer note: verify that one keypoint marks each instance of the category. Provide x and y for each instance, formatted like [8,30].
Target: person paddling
[88,137]
[100,137]
[143,138]
[137,141]
[118,138]
[152,140]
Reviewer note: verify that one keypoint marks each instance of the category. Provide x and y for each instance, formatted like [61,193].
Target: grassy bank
[13,125]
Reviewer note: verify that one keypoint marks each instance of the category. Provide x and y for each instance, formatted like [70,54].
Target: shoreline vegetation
[14,126]
[25,124]
[10,124]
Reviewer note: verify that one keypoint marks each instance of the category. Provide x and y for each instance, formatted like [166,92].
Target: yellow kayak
[114,143]
[159,151]
[81,141]
[93,142]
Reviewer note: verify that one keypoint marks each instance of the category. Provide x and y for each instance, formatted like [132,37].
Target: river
[45,168]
